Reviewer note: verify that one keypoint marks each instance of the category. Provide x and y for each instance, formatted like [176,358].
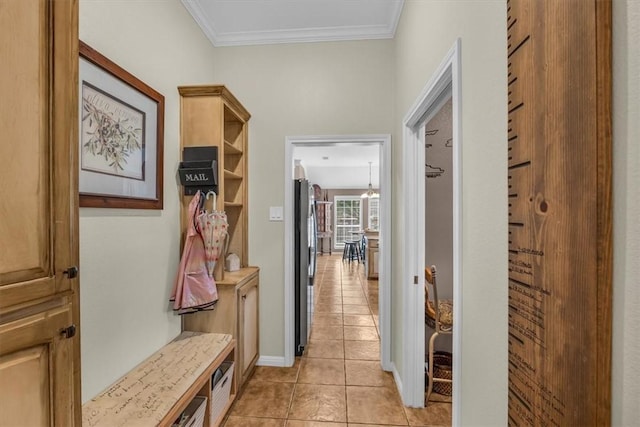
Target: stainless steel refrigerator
[306,237]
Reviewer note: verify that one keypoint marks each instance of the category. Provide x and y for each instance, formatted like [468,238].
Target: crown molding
[305,35]
[198,14]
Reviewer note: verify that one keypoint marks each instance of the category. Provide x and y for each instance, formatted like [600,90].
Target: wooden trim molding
[604,137]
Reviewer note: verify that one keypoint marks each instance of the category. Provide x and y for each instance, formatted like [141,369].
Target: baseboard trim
[277,361]
[398,381]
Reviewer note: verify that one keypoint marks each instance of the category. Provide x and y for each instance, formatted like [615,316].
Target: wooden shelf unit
[325,225]
[212,116]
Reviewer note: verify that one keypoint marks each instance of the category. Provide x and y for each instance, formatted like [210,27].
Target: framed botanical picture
[121,136]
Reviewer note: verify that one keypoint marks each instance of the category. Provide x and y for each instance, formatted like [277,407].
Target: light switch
[275,213]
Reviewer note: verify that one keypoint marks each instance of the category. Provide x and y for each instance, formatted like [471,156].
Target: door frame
[384,302]
[446,81]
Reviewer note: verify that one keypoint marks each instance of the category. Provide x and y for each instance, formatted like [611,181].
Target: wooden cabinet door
[248,331]
[36,365]
[374,261]
[38,124]
[39,367]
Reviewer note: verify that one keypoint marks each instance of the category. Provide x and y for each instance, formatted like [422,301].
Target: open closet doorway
[430,239]
[383,145]
[439,251]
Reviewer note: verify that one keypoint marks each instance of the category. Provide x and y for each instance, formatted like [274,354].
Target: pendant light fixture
[370,193]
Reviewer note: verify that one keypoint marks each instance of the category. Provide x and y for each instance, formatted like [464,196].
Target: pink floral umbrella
[213,228]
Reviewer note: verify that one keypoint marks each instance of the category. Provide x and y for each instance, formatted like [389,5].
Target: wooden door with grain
[39,348]
[38,172]
[559,151]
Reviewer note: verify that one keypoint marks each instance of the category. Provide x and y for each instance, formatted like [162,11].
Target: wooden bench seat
[157,390]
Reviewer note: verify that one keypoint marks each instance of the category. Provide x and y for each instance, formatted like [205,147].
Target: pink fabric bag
[194,289]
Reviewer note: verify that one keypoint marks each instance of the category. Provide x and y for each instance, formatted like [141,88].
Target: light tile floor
[338,381]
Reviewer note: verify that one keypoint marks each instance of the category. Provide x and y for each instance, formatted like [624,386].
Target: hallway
[338,380]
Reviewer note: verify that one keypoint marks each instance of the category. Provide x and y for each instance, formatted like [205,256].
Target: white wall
[128,258]
[343,176]
[426,32]
[298,89]
[626,218]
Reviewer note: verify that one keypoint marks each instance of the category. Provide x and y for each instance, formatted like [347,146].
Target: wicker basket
[442,369]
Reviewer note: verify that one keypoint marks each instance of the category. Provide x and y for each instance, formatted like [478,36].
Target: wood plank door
[39,211]
[559,142]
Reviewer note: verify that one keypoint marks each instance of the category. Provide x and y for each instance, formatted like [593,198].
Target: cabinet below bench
[236,313]
[158,390]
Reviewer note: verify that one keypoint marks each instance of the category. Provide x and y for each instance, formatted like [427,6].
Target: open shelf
[231,149]
[231,175]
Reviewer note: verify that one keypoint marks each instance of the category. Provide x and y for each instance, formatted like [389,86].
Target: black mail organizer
[198,170]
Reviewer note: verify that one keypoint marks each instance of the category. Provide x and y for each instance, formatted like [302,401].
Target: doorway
[383,142]
[442,86]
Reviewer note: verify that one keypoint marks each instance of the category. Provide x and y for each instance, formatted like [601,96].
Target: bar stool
[351,251]
[359,236]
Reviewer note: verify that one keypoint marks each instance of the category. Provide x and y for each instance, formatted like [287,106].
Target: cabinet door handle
[68,332]
[71,272]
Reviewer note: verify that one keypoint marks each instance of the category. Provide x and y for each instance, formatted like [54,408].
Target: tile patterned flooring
[338,381]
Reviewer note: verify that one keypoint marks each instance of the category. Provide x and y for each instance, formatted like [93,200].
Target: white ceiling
[340,165]
[251,22]
[338,155]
